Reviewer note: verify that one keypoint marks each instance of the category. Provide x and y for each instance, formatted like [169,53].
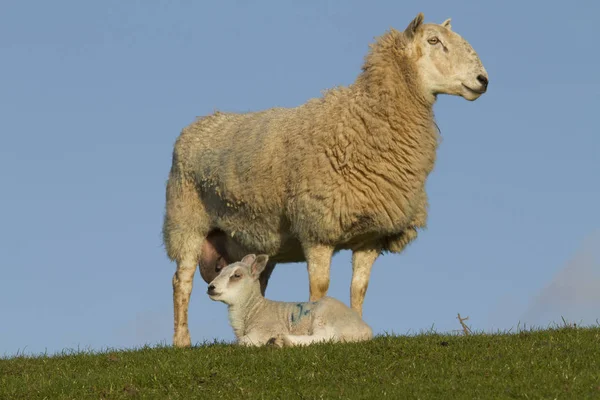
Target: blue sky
[94,94]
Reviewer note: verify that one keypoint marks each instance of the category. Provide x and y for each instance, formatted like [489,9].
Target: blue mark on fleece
[301,310]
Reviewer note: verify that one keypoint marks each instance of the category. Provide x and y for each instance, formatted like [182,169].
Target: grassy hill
[555,363]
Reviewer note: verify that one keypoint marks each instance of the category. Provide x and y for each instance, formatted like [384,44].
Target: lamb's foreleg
[252,340]
[302,340]
[362,262]
[318,258]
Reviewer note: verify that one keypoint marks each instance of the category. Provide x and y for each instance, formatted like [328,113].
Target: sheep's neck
[388,139]
[391,115]
[244,311]
[390,76]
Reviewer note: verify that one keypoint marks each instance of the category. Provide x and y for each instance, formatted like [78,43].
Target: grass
[554,363]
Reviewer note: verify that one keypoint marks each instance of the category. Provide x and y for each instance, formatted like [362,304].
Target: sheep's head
[238,280]
[446,62]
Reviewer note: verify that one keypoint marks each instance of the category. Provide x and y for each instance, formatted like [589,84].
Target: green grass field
[555,363]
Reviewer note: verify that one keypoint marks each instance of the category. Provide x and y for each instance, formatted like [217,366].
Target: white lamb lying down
[257,321]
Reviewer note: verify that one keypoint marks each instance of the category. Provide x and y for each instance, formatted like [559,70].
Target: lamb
[257,321]
[344,171]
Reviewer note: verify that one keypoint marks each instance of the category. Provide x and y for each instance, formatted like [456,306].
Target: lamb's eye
[433,40]
[237,275]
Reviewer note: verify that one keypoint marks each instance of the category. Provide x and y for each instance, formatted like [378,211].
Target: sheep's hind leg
[318,258]
[182,290]
[184,233]
[362,262]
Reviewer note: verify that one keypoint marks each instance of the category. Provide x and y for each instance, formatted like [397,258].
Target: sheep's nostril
[211,287]
[483,80]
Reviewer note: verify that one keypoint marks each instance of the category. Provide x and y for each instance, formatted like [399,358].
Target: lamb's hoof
[276,341]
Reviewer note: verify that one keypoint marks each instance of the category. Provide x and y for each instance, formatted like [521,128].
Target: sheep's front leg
[362,262]
[318,258]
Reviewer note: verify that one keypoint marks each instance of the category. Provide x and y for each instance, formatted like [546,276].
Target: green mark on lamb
[299,311]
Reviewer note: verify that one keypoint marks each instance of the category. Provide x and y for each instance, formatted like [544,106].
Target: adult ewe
[345,171]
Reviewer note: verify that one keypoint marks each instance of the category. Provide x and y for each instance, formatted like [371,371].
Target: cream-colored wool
[344,171]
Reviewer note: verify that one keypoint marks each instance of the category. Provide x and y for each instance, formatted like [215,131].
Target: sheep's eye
[237,275]
[433,40]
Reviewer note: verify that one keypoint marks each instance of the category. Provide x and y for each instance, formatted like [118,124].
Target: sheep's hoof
[276,341]
[182,340]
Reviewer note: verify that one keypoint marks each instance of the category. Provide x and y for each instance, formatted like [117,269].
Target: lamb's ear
[248,259]
[259,265]
[413,26]
[446,24]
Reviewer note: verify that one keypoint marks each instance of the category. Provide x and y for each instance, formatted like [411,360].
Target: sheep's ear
[413,26]
[446,24]
[248,259]
[259,265]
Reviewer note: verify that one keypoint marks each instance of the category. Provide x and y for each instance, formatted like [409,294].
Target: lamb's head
[239,280]
[446,62]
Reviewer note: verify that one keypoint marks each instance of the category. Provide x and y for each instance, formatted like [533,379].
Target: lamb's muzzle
[211,291]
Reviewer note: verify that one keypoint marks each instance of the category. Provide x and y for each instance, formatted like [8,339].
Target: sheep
[343,171]
[257,321]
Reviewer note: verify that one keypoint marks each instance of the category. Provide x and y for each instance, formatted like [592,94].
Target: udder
[218,251]
[214,256]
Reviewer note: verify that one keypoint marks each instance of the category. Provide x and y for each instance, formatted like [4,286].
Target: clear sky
[94,94]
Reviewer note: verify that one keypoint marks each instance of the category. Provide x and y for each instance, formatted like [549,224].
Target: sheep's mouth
[212,293]
[480,91]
